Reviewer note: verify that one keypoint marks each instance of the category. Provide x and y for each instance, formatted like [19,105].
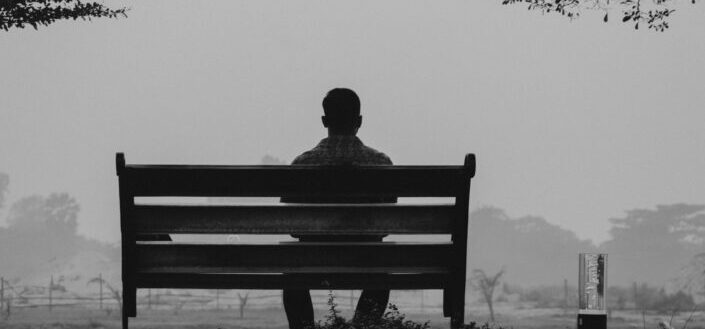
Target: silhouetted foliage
[653,13]
[20,13]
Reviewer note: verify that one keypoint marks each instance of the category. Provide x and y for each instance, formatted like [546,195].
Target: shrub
[392,319]
[485,325]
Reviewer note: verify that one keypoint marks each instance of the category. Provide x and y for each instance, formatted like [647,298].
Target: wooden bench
[147,263]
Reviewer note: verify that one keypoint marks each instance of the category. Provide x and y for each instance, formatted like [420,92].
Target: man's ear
[358,121]
[324,119]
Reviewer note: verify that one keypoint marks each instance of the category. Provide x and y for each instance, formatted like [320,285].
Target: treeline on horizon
[659,247]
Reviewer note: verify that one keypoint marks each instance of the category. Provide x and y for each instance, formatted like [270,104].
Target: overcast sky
[572,121]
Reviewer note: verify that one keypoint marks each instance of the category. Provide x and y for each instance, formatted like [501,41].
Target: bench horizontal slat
[295,218]
[279,281]
[295,181]
[175,257]
[299,270]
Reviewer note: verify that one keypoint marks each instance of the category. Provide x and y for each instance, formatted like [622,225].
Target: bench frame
[148,262]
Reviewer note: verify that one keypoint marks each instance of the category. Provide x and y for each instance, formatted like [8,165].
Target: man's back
[341,151]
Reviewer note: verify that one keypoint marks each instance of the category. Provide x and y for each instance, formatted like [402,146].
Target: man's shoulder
[342,151]
[372,156]
[308,157]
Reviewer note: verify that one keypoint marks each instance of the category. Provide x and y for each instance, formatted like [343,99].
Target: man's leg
[371,305]
[372,302]
[298,308]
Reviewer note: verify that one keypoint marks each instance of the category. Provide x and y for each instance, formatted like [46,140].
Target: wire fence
[104,296]
[97,293]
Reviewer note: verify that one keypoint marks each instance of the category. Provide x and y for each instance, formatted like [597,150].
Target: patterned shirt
[341,150]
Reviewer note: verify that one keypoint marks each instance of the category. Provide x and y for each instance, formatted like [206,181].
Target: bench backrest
[141,259]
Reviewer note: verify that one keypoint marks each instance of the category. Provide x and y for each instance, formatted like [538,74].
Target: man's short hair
[341,106]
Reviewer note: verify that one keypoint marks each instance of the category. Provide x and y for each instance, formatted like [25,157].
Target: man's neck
[341,134]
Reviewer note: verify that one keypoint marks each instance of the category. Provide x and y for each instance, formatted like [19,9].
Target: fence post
[51,287]
[565,296]
[100,277]
[352,307]
[217,299]
[423,304]
[9,307]
[2,293]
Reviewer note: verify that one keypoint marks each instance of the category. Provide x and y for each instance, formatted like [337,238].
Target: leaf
[605,19]
[626,18]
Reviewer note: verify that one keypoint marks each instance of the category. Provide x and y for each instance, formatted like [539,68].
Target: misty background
[589,136]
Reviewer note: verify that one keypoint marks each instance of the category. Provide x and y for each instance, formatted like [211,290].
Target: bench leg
[457,319]
[129,302]
[446,303]
[125,319]
[129,306]
[457,309]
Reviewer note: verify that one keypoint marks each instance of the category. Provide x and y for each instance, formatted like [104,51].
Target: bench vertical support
[446,302]
[129,292]
[125,319]
[456,295]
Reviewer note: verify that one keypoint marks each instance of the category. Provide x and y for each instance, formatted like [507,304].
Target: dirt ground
[509,316]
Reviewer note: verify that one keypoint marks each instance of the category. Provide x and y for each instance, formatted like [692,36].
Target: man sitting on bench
[342,147]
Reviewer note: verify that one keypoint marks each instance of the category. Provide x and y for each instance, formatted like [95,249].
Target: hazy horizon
[575,122]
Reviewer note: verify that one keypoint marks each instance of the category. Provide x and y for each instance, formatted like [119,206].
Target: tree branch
[20,13]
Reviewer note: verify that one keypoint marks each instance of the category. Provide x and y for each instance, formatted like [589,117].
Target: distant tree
[243,302]
[652,13]
[486,285]
[20,13]
[541,253]
[653,245]
[40,230]
[56,213]
[4,182]
[115,293]
[691,277]
[674,303]
[271,160]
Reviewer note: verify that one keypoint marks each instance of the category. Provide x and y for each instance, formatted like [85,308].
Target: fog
[572,121]
[589,136]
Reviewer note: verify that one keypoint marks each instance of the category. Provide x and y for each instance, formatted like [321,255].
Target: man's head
[342,112]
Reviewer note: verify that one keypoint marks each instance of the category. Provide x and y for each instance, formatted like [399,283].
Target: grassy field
[509,316]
